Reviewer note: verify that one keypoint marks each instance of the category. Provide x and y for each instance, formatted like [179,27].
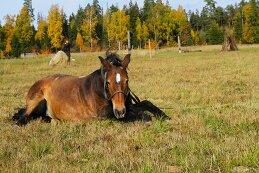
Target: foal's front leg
[146,105]
[134,113]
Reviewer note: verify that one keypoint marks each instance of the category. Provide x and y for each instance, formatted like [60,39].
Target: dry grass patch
[212,98]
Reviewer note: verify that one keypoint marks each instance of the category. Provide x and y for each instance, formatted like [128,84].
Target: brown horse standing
[102,94]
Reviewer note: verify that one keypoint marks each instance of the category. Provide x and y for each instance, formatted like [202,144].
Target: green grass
[212,98]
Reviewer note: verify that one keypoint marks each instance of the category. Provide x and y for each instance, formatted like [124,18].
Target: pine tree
[133,12]
[99,26]
[146,10]
[2,39]
[238,30]
[15,46]
[65,25]
[72,30]
[28,4]
[215,35]
[113,9]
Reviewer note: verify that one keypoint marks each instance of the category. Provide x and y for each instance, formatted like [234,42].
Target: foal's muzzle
[119,113]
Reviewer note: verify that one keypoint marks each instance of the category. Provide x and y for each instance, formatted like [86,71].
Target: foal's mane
[114,59]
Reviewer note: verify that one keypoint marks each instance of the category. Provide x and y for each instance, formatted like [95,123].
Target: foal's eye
[107,83]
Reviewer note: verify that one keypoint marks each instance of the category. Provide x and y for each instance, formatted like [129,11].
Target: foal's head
[116,84]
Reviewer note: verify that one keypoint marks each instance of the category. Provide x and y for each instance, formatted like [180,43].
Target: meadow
[212,98]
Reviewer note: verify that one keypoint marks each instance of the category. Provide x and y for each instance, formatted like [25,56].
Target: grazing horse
[105,93]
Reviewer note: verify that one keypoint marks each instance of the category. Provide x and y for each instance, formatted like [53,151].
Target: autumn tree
[106,23]
[139,32]
[183,25]
[55,22]
[8,31]
[154,20]
[79,41]
[168,26]
[118,27]
[24,29]
[88,26]
[145,32]
[41,36]
[249,30]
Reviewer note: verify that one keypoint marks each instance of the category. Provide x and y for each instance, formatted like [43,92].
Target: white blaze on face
[118,77]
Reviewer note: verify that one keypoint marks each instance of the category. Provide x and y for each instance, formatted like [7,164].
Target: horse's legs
[18,114]
[134,113]
[35,106]
[148,106]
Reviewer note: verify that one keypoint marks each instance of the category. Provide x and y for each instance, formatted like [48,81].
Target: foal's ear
[104,62]
[125,62]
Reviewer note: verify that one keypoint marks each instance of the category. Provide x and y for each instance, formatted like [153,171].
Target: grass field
[212,98]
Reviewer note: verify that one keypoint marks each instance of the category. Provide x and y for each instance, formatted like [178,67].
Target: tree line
[92,28]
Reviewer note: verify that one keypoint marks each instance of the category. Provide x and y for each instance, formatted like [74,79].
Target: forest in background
[93,28]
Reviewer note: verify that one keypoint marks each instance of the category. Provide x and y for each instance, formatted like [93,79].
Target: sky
[42,6]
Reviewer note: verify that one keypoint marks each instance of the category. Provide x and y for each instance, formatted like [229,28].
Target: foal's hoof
[22,121]
[46,119]
[16,117]
[145,117]
[18,114]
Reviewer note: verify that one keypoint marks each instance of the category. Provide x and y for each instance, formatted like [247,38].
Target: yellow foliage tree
[195,37]
[9,29]
[184,25]
[24,28]
[145,32]
[88,26]
[139,31]
[8,47]
[2,54]
[249,30]
[42,29]
[106,22]
[55,22]
[118,27]
[79,41]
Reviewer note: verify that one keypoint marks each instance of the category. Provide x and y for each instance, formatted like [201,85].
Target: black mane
[114,59]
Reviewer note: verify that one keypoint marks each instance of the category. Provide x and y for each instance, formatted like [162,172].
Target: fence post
[149,45]
[129,47]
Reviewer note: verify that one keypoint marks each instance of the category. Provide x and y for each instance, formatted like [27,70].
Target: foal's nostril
[119,113]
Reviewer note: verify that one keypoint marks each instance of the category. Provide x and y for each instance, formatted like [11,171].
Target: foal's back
[69,97]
